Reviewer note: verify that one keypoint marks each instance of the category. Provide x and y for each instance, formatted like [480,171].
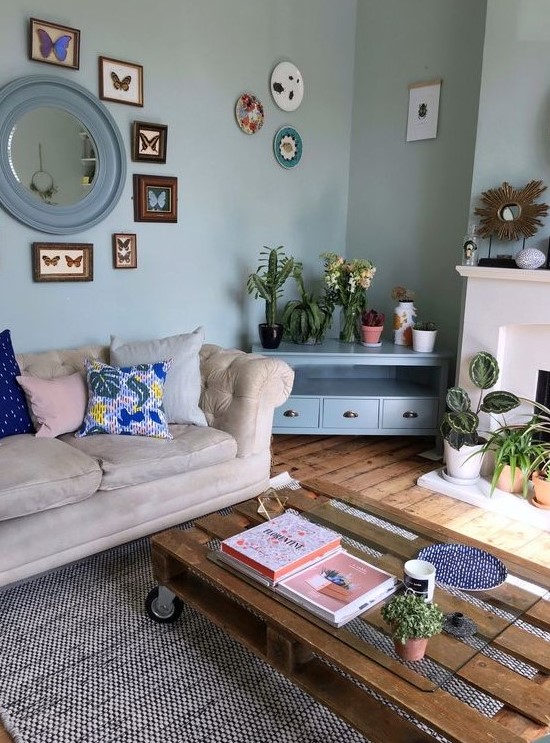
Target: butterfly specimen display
[155,198]
[124,250]
[54,44]
[62,261]
[149,142]
[120,81]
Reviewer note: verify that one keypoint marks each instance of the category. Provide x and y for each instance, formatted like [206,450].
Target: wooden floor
[386,470]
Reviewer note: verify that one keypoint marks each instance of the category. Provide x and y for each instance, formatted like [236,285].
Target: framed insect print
[155,198]
[124,250]
[149,142]
[54,44]
[62,262]
[121,82]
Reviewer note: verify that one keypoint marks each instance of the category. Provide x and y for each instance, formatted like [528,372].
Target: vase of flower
[349,329]
[404,316]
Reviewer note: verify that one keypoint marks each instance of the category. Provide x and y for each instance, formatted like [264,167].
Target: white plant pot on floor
[424,340]
[462,466]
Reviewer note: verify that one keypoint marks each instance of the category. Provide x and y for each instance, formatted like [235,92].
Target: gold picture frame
[509,213]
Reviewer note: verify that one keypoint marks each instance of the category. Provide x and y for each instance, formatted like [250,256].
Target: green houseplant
[306,320]
[460,423]
[266,283]
[412,620]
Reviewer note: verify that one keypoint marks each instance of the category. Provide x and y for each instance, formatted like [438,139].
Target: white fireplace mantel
[507,274]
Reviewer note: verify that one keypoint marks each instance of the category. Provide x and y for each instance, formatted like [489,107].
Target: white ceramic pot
[462,466]
[424,340]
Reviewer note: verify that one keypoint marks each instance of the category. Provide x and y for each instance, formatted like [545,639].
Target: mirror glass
[62,158]
[509,212]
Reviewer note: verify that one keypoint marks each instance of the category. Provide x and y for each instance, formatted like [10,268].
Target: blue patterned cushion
[126,400]
[14,414]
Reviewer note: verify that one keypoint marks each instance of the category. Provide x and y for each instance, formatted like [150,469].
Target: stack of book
[306,563]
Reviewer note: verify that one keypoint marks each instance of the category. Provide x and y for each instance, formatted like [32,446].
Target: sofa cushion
[183,381]
[58,405]
[131,461]
[126,400]
[14,415]
[41,473]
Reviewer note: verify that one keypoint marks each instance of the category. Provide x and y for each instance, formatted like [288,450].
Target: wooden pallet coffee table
[340,672]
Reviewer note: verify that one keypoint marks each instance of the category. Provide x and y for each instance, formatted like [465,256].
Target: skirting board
[506,504]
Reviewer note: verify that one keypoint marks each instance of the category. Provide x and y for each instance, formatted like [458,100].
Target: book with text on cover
[338,587]
[278,547]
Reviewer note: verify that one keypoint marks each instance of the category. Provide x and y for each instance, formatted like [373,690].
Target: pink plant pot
[371,333]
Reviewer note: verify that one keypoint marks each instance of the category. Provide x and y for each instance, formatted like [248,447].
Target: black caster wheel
[163,606]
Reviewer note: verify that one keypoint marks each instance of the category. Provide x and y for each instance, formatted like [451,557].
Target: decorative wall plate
[287,146]
[462,566]
[249,112]
[287,86]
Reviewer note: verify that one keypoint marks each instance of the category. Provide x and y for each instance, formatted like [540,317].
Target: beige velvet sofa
[64,498]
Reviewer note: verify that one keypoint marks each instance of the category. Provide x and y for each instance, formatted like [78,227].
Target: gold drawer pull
[351,414]
[410,414]
[291,414]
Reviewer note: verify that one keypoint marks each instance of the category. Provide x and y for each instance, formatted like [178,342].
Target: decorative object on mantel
[404,315]
[469,247]
[530,258]
[465,567]
[287,147]
[287,86]
[249,112]
[266,283]
[509,213]
[372,325]
[346,284]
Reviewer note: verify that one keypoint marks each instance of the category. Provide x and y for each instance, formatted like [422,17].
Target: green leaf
[466,422]
[499,402]
[484,370]
[458,400]
[105,382]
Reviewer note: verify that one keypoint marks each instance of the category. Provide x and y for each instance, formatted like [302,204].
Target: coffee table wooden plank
[438,709]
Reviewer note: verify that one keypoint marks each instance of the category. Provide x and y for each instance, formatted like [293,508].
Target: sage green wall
[198,57]
[409,202]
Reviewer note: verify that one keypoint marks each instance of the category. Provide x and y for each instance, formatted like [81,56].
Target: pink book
[280,546]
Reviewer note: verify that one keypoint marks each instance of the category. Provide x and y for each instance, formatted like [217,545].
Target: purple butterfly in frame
[59,47]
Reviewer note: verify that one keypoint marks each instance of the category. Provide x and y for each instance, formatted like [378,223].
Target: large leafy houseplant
[266,283]
[306,320]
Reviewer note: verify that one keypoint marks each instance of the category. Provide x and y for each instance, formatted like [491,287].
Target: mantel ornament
[511,213]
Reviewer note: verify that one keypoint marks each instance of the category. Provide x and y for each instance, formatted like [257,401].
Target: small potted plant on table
[372,325]
[306,320]
[412,620]
[267,283]
[424,334]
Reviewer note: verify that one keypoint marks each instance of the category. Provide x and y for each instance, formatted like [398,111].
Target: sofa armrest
[240,392]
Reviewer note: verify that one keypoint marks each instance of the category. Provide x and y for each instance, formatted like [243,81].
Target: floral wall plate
[287,86]
[249,112]
[463,566]
[287,147]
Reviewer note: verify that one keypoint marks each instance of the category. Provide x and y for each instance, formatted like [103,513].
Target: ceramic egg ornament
[530,258]
[287,86]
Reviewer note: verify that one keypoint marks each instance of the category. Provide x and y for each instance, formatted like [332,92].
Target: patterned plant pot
[404,316]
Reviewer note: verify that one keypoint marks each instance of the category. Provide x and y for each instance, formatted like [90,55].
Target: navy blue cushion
[14,415]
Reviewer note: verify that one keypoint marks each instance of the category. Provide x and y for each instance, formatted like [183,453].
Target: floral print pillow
[126,400]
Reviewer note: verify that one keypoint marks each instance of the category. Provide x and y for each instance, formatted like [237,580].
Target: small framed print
[149,142]
[54,44]
[121,82]
[124,250]
[62,262]
[155,198]
[423,110]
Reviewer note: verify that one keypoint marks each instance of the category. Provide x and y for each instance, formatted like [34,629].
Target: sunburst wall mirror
[510,213]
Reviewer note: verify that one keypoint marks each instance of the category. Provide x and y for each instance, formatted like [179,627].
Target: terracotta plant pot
[542,491]
[413,649]
[506,483]
[371,333]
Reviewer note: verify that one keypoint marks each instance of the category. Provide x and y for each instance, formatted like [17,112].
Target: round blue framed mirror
[62,158]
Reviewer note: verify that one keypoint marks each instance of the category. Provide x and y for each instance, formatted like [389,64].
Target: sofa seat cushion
[41,473]
[129,460]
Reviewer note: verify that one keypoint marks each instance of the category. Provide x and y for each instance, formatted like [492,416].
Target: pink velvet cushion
[57,404]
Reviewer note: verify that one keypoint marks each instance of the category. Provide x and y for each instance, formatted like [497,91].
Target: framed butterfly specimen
[149,142]
[54,44]
[62,262]
[124,250]
[155,198]
[121,82]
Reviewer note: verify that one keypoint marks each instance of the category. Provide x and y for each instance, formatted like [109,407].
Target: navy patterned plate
[462,566]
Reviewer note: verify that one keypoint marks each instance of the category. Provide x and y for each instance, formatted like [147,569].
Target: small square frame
[121,82]
[155,198]
[149,142]
[54,44]
[62,262]
[125,250]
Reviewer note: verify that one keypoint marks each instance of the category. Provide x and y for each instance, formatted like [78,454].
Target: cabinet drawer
[297,412]
[350,413]
[409,413]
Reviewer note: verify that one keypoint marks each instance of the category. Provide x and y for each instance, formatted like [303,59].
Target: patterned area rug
[80,662]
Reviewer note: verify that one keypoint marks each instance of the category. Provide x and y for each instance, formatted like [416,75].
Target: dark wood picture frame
[155,198]
[120,82]
[62,262]
[149,142]
[54,44]
[125,250]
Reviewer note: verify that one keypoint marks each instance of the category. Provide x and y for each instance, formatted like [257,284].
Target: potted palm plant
[459,426]
[412,620]
[306,320]
[372,325]
[267,283]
